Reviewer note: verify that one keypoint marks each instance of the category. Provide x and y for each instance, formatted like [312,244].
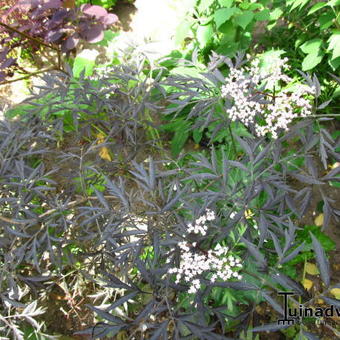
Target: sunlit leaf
[311,268]
[308,284]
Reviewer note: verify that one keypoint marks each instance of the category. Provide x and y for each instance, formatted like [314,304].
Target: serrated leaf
[316,7]
[273,303]
[296,3]
[178,141]
[326,20]
[271,327]
[310,336]
[322,260]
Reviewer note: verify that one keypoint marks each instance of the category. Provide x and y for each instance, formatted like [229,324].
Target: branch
[30,75]
[51,211]
[27,36]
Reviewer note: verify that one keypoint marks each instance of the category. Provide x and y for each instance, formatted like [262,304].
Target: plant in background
[33,25]
[225,26]
[260,98]
[266,94]
[317,29]
[228,26]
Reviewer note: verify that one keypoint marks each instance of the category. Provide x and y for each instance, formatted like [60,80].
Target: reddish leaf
[52,4]
[110,19]
[72,42]
[93,33]
[95,11]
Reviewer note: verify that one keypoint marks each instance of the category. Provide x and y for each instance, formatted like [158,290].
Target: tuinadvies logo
[293,315]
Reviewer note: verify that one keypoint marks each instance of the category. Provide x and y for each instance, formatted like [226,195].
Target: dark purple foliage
[43,210]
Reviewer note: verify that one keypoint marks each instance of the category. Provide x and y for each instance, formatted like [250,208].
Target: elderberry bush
[181,248]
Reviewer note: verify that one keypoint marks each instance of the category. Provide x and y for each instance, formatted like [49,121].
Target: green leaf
[228,49]
[334,63]
[311,46]
[244,19]
[204,5]
[333,3]
[179,139]
[276,14]
[326,20]
[187,71]
[229,31]
[222,15]
[316,7]
[109,36]
[311,60]
[296,3]
[334,44]
[197,135]
[254,7]
[263,15]
[327,243]
[182,31]
[226,3]
[204,35]
[84,61]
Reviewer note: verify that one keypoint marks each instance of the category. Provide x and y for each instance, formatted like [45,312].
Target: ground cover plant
[171,200]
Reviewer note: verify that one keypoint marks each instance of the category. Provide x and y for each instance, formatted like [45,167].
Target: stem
[230,131]
[29,75]
[325,115]
[232,140]
[27,36]
[303,275]
[51,211]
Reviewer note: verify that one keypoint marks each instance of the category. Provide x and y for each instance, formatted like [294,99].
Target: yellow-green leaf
[311,60]
[335,292]
[311,269]
[308,284]
[319,220]
[104,153]
[311,46]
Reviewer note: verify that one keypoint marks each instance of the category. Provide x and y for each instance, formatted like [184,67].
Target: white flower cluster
[195,262]
[199,226]
[278,110]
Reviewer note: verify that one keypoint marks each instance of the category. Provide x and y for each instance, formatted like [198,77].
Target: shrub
[60,27]
[175,248]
